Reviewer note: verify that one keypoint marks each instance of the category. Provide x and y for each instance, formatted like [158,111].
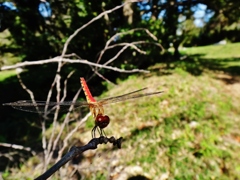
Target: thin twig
[28,91]
[49,96]
[113,38]
[66,120]
[51,143]
[133,45]
[65,86]
[9,155]
[71,133]
[126,45]
[118,54]
[16,146]
[90,22]
[44,142]
[101,76]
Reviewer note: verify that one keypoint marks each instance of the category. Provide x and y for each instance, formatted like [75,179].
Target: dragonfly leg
[100,131]
[103,133]
[94,132]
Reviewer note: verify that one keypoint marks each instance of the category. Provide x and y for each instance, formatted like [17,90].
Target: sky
[43,8]
[199,13]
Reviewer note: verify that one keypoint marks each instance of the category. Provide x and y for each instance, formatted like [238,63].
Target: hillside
[191,131]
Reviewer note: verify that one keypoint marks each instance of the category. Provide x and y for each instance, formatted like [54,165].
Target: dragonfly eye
[102,121]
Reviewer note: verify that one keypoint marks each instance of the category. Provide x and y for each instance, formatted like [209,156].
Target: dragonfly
[96,107]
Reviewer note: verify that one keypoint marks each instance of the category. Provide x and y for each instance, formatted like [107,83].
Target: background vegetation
[189,132]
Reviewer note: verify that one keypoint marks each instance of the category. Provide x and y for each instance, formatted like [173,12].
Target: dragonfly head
[102,121]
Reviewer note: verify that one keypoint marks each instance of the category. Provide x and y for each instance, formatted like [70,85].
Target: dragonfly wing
[42,106]
[132,95]
[29,106]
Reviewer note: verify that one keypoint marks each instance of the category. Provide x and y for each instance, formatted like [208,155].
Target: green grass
[216,51]
[183,132]
[7,58]
[6,74]
[191,131]
[196,60]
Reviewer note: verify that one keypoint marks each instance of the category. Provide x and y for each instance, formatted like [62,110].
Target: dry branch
[76,151]
[16,146]
[59,59]
[90,22]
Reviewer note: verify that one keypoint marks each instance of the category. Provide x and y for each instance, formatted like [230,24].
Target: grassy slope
[191,131]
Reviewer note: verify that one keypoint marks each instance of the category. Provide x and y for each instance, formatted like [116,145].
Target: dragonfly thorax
[96,109]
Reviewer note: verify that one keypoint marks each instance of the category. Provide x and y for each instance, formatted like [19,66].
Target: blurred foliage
[221,21]
[172,22]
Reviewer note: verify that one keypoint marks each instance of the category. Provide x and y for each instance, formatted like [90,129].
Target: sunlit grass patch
[216,51]
[7,74]
[221,58]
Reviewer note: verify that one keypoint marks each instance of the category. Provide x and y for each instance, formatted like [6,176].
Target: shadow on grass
[197,64]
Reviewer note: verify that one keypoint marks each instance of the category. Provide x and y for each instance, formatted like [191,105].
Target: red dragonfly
[96,107]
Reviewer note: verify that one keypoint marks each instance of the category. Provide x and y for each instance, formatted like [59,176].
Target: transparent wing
[43,107]
[132,95]
[48,108]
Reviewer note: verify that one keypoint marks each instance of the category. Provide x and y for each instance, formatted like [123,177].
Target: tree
[177,21]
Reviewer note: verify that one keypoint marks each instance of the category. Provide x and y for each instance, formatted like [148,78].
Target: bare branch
[90,22]
[51,143]
[101,76]
[27,90]
[44,142]
[9,155]
[20,147]
[133,45]
[58,59]
[70,134]
[113,38]
[66,120]
[76,151]
[126,45]
[65,86]
[49,96]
